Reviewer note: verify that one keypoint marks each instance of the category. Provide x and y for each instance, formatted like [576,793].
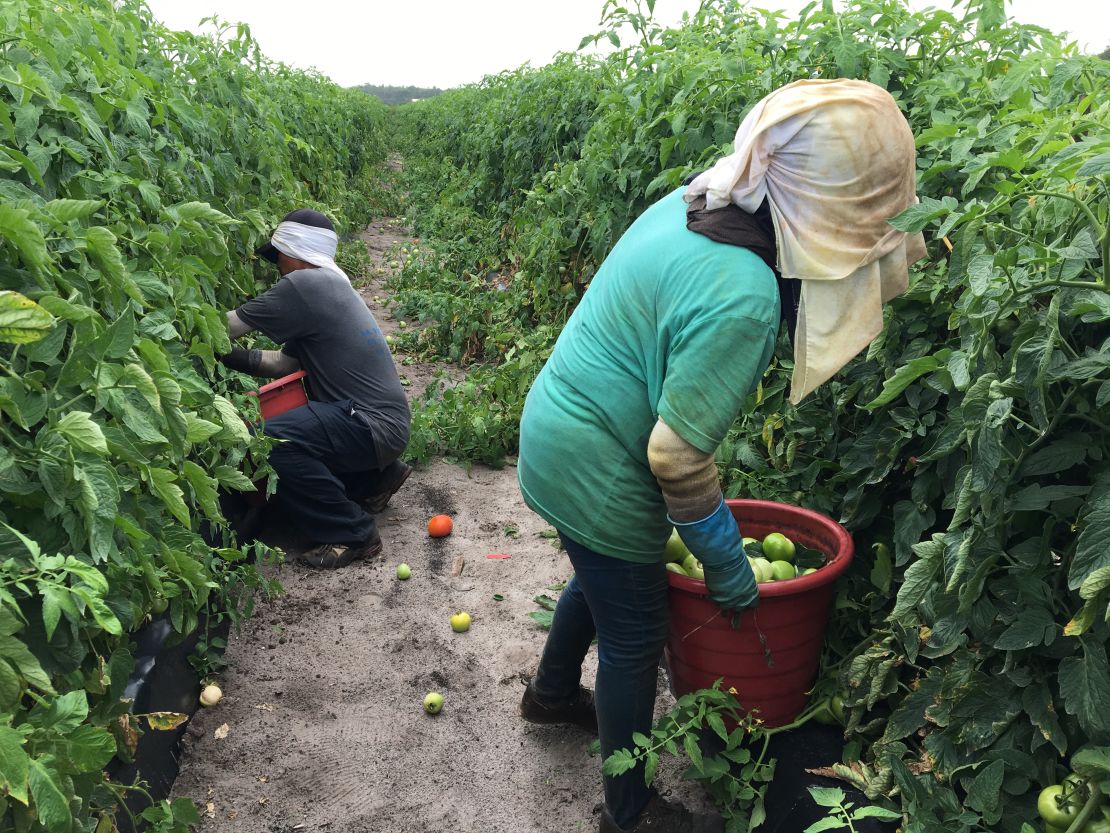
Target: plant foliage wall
[139,167]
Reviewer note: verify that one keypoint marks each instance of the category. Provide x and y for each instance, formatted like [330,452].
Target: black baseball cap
[304,216]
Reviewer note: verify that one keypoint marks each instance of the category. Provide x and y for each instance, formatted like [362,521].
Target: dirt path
[325,728]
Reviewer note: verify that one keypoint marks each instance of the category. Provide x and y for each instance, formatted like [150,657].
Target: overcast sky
[445,43]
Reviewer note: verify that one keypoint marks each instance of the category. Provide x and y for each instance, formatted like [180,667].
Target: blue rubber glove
[717,543]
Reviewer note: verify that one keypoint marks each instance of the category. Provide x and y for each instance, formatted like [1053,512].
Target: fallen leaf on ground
[222,732]
[457,566]
[266,707]
[210,810]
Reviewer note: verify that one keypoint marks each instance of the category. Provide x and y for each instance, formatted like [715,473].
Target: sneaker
[579,711]
[396,473]
[334,556]
[662,816]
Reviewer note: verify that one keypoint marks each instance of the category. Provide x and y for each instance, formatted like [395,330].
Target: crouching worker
[339,462]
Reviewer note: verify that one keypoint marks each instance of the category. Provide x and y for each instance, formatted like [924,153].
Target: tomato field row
[139,167]
[968,450]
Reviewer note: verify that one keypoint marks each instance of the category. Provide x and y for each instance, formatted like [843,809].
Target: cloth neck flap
[836,160]
[755,232]
[308,243]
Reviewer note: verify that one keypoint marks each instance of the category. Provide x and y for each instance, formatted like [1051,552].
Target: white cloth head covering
[308,243]
[836,160]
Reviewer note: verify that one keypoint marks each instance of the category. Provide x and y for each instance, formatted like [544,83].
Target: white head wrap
[836,160]
[308,243]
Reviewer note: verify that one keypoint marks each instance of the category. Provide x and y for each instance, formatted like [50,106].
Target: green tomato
[159,604]
[1054,808]
[836,706]
[762,569]
[403,572]
[693,567]
[675,551]
[782,571]
[676,568]
[777,547]
[433,702]
[824,715]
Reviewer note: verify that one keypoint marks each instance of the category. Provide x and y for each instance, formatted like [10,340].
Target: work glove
[717,543]
[242,359]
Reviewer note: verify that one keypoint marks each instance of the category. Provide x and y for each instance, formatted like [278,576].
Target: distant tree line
[398,95]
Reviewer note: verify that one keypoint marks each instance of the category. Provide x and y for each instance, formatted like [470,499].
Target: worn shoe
[662,816]
[397,474]
[578,712]
[334,556]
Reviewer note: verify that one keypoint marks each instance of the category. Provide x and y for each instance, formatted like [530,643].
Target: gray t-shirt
[320,320]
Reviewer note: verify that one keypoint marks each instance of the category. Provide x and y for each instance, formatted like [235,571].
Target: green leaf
[1034,626]
[872,811]
[1085,688]
[903,378]
[66,210]
[199,430]
[233,479]
[89,748]
[83,432]
[14,764]
[164,484]
[232,420]
[1097,166]
[826,796]
[204,488]
[1092,550]
[11,688]
[1092,762]
[1038,497]
[51,609]
[200,211]
[22,321]
[17,227]
[51,804]
[1036,699]
[117,340]
[917,216]
[543,618]
[985,792]
[919,578]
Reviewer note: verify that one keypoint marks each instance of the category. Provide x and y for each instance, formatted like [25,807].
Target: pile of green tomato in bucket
[775,558]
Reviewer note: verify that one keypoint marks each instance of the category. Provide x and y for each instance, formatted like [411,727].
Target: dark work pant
[625,603]
[327,459]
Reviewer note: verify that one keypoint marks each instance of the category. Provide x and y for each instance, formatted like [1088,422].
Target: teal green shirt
[674,325]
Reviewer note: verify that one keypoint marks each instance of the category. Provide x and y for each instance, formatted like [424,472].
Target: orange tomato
[440,526]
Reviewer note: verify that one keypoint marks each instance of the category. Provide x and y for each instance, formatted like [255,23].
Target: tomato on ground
[440,526]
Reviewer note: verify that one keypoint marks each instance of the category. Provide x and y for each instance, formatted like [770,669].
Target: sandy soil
[322,726]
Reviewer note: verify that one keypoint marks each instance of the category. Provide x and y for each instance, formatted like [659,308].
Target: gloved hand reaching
[717,543]
[688,479]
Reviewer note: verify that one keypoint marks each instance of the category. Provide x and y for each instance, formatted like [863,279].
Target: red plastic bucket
[771,658]
[275,398]
[281,395]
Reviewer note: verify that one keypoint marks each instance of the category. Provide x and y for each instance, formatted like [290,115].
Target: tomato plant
[139,167]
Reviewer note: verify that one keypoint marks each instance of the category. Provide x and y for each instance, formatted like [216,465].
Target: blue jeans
[625,604]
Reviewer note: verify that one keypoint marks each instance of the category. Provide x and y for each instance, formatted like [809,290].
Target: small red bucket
[771,657]
[275,398]
[281,395]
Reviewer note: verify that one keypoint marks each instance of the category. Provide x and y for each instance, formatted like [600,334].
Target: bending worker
[619,431]
[339,462]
